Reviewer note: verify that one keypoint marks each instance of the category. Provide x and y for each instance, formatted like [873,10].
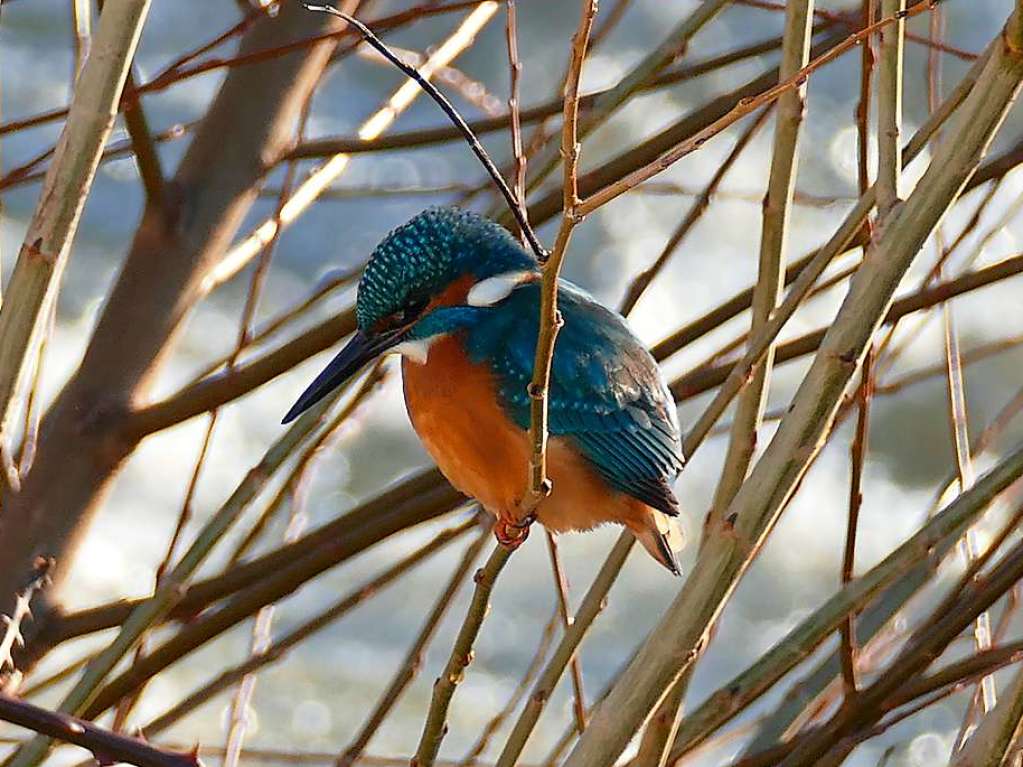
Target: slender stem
[590,607]
[515,70]
[740,110]
[889,107]
[538,485]
[561,587]
[171,589]
[934,540]
[486,8]
[279,648]
[435,727]
[106,746]
[414,658]
[858,453]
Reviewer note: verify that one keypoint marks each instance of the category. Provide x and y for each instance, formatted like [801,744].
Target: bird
[458,297]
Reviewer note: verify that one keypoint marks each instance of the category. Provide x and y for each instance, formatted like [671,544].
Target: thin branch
[858,453]
[413,661]
[22,610]
[171,589]
[515,70]
[546,637]
[643,280]
[699,381]
[435,727]
[889,107]
[590,607]
[933,541]
[107,747]
[484,10]
[144,147]
[561,589]
[538,485]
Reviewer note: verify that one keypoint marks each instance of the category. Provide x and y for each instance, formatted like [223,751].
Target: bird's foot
[512,533]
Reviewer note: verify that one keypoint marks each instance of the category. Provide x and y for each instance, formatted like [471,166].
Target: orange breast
[454,409]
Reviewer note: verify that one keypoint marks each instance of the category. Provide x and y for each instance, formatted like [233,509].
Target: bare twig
[561,588]
[414,658]
[743,108]
[858,452]
[538,485]
[889,107]
[590,607]
[107,747]
[435,727]
[485,9]
[22,610]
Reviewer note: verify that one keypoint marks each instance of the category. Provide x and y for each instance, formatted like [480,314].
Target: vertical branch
[539,485]
[515,71]
[48,240]
[858,449]
[858,452]
[543,689]
[774,232]
[561,587]
[889,108]
[436,726]
[862,115]
[414,658]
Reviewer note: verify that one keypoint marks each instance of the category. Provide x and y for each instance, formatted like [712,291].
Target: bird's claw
[512,533]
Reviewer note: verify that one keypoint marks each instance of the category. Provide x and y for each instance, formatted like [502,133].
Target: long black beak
[357,352]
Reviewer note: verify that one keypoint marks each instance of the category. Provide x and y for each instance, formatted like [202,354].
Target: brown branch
[858,452]
[413,661]
[107,747]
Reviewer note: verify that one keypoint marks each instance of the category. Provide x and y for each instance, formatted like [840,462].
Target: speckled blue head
[418,260]
[415,263]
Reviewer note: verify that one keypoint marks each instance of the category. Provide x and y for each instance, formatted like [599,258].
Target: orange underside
[453,408]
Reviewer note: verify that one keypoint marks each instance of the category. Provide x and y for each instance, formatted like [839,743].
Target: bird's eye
[412,311]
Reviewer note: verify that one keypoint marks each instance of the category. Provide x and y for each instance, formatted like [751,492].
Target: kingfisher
[458,298]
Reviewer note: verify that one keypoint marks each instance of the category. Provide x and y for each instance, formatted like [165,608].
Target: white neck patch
[417,351]
[497,288]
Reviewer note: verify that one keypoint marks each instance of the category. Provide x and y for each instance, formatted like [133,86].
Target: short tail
[661,536]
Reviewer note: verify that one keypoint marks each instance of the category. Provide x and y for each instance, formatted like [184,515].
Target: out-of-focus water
[318,696]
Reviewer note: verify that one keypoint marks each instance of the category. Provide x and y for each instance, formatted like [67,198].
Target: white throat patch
[497,288]
[417,351]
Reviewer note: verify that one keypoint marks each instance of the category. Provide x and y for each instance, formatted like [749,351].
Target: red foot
[511,534]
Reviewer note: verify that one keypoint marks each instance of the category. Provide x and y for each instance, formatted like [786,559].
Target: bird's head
[416,286]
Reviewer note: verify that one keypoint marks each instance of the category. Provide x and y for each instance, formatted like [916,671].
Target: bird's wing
[606,394]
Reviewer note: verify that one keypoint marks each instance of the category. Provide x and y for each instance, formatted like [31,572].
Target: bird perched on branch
[459,299]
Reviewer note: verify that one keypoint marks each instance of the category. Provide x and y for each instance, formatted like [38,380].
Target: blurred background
[316,697]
